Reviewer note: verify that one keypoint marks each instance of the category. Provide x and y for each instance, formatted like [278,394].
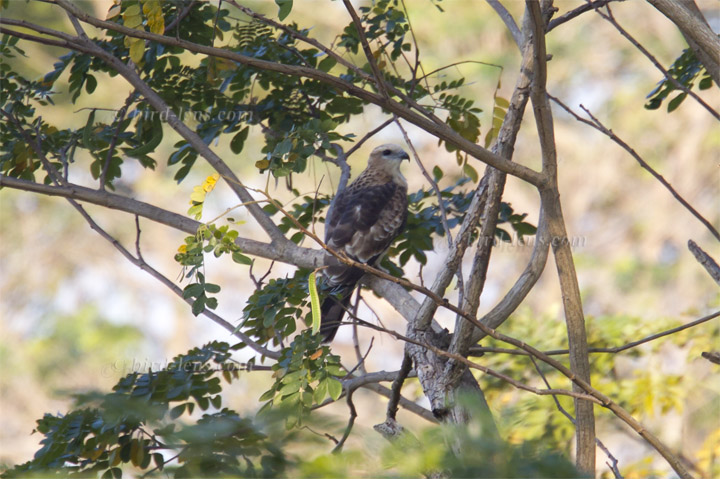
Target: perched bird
[362,222]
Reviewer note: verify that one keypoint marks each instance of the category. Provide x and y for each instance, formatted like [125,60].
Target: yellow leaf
[182,248]
[316,354]
[210,181]
[137,49]
[262,164]
[113,12]
[198,194]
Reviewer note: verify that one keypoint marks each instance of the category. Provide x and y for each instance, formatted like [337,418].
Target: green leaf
[149,146]
[320,391]
[199,305]
[212,288]
[285,8]
[675,102]
[471,172]
[334,388]
[241,258]
[238,141]
[88,141]
[90,84]
[177,411]
[314,303]
[327,63]
[437,173]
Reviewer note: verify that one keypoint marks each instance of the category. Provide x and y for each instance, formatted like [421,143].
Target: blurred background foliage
[76,318]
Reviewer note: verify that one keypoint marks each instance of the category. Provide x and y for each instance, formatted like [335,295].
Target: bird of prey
[363,220]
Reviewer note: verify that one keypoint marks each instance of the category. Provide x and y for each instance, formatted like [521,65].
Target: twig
[137,239]
[617,349]
[585,7]
[113,142]
[599,126]
[361,362]
[351,422]
[397,385]
[509,22]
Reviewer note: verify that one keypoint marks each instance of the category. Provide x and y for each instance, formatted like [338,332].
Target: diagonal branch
[599,126]
[611,19]
[509,22]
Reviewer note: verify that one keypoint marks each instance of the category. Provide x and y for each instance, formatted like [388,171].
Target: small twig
[361,362]
[618,349]
[713,357]
[356,341]
[397,385]
[137,239]
[321,434]
[351,422]
[367,136]
[596,124]
[586,7]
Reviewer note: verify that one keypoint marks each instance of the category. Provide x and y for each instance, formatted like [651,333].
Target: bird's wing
[366,218]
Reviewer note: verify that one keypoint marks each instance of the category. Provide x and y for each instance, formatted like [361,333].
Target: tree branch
[509,22]
[705,260]
[577,338]
[595,123]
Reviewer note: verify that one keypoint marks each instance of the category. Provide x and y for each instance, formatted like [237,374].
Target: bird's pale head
[387,158]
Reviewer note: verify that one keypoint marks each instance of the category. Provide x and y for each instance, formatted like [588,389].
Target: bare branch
[509,22]
[585,7]
[397,386]
[479,351]
[595,123]
[705,260]
[611,19]
[351,422]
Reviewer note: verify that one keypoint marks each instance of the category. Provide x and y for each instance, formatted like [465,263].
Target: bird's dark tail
[333,309]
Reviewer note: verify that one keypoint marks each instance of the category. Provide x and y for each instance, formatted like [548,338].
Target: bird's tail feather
[333,309]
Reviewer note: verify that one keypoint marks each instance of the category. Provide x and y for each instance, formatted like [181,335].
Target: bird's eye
[387,152]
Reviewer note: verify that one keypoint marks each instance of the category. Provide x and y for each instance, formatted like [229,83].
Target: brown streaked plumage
[363,221]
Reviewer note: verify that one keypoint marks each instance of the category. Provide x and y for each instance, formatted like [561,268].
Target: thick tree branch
[577,337]
[504,146]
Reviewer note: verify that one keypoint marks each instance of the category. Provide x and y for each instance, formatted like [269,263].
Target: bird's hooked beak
[405,156]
